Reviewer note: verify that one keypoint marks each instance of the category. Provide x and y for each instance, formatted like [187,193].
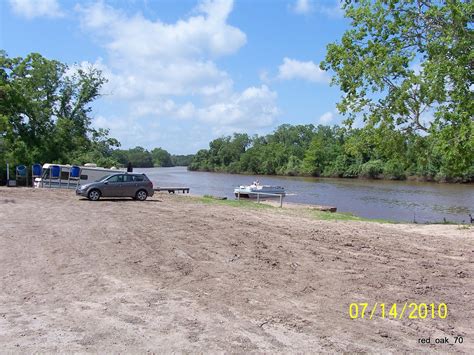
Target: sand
[175,274]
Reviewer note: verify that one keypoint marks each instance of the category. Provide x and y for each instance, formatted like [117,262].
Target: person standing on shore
[129,168]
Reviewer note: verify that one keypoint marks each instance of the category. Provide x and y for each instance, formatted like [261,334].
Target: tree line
[332,152]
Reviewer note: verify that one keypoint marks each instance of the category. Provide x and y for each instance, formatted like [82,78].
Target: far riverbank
[380,177]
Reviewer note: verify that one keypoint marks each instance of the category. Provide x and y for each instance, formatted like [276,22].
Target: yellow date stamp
[407,310]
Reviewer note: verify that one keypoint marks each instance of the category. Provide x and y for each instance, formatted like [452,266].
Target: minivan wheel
[93,195]
[141,195]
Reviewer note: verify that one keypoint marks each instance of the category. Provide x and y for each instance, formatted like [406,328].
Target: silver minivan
[137,186]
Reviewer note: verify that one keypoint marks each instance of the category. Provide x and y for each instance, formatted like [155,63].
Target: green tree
[161,157]
[402,59]
[323,149]
[139,157]
[44,111]
[182,160]
[201,161]
[100,149]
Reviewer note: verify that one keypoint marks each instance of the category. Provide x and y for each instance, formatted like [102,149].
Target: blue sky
[181,73]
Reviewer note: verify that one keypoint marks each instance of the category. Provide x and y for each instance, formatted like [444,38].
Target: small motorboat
[254,190]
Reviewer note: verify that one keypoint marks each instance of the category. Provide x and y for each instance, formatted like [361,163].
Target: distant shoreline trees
[142,158]
[323,151]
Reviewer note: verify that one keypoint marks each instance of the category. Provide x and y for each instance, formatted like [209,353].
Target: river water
[392,200]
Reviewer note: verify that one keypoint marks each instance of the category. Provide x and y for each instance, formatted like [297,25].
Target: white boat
[252,191]
[88,173]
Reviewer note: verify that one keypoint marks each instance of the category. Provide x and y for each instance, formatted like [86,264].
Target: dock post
[258,197]
[281,200]
[238,196]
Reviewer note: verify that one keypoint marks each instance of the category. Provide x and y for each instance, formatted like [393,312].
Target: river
[392,200]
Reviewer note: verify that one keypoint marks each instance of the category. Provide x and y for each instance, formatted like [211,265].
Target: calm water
[393,200]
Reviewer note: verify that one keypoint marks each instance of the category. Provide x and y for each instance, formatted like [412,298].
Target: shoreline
[324,209]
[412,178]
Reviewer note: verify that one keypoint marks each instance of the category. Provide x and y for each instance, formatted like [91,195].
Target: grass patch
[306,212]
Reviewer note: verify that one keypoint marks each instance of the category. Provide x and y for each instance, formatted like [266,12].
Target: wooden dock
[172,190]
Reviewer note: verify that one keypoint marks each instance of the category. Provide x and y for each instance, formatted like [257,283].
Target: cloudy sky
[181,73]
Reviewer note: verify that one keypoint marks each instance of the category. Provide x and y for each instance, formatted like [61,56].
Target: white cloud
[329,8]
[326,117]
[332,9]
[36,8]
[294,69]
[255,107]
[303,7]
[150,58]
[205,34]
[165,71]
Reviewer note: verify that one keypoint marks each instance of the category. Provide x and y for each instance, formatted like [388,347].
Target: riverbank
[380,177]
[400,201]
[177,273]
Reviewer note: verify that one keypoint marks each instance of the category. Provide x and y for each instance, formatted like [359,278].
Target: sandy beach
[174,273]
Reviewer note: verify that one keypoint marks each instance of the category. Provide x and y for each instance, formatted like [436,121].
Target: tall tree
[405,60]
[44,111]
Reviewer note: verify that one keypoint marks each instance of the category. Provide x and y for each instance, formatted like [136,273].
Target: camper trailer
[53,177]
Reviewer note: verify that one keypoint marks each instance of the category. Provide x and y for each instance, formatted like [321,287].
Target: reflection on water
[393,200]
